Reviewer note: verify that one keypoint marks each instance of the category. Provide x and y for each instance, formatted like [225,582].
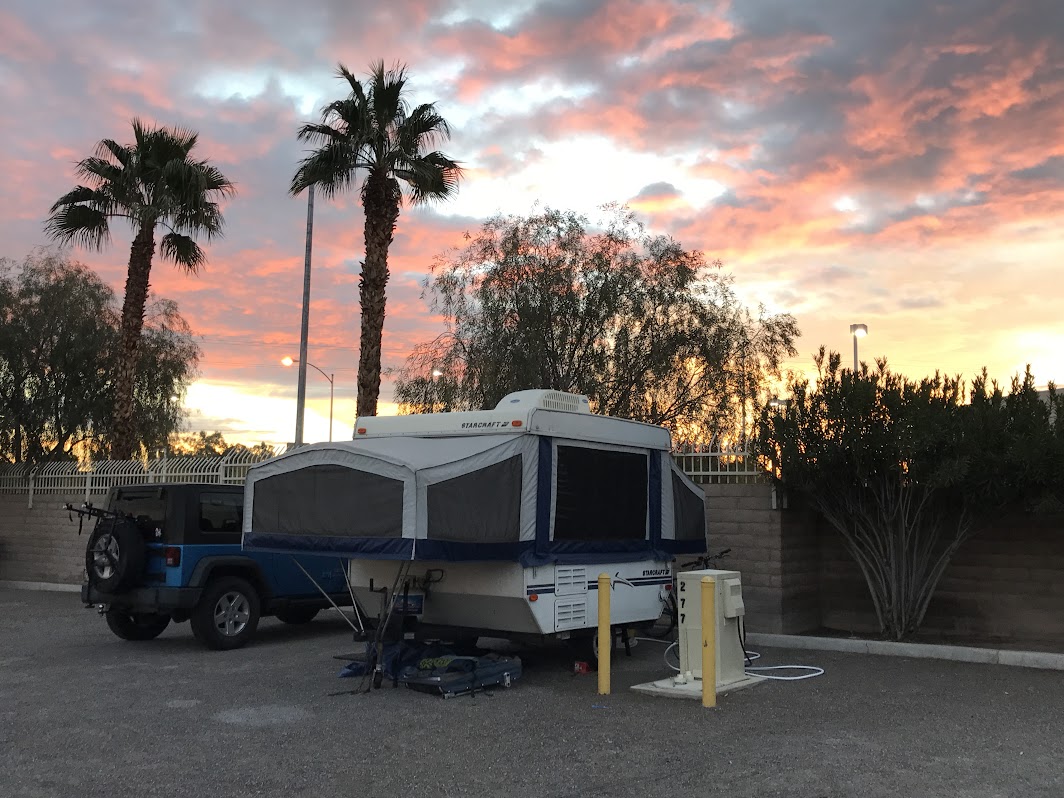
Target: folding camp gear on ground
[454,676]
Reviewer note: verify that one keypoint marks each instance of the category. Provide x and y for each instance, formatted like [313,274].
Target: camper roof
[537,412]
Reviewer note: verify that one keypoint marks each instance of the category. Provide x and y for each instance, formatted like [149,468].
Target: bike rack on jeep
[88,511]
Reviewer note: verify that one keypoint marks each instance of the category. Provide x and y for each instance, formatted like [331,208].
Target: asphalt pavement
[84,714]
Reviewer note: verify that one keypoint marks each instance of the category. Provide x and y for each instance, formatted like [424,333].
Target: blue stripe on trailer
[636,581]
[639,581]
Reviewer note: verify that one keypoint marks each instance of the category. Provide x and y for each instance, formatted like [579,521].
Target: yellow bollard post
[605,636]
[709,641]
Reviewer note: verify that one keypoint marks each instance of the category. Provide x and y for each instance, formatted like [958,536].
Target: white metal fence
[98,477]
[704,464]
[716,464]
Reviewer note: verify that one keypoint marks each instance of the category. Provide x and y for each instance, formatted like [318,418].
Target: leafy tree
[198,444]
[262,450]
[906,471]
[372,130]
[59,354]
[153,182]
[646,329]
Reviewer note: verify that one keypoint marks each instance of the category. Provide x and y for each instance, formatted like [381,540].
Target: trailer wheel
[585,649]
[297,615]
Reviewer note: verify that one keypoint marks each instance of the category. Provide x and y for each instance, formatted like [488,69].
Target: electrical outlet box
[733,598]
[729,608]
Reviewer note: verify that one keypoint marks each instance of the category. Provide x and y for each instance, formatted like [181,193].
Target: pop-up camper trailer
[500,520]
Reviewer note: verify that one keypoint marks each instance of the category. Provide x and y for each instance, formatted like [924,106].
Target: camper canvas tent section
[539,480]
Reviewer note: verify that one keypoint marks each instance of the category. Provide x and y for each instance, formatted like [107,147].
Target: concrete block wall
[40,544]
[800,556]
[1006,585]
[741,518]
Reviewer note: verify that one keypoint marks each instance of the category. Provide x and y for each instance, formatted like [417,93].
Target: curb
[987,656]
[51,586]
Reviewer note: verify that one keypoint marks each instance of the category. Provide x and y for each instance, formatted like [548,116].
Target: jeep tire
[137,625]
[227,613]
[298,615]
[114,556]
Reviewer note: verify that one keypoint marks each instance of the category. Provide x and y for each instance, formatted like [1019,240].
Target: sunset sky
[898,163]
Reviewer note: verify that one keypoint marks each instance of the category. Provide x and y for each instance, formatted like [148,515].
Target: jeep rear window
[221,512]
[148,511]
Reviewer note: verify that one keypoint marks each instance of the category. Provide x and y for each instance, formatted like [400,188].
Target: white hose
[813,671]
[751,656]
[670,648]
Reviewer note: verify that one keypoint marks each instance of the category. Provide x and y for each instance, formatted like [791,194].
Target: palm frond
[422,129]
[183,251]
[432,177]
[110,148]
[353,82]
[140,134]
[320,133]
[386,94]
[100,170]
[78,195]
[77,224]
[183,138]
[165,146]
[205,218]
[214,182]
[332,168]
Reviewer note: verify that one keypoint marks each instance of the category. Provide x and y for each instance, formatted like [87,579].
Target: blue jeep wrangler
[162,553]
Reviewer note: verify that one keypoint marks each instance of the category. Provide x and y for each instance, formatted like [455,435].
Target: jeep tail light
[173,555]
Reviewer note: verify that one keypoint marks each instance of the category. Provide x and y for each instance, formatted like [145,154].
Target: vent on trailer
[569,580]
[546,400]
[570,614]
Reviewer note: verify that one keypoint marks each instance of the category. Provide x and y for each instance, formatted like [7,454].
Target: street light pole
[857,331]
[288,361]
[301,389]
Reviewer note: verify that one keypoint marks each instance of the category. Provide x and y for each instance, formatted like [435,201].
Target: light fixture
[287,361]
[857,331]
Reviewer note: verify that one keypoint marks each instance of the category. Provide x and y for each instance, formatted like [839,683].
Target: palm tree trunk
[140,256]
[380,201]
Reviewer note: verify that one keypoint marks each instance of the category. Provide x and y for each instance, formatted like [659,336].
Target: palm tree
[151,183]
[373,130]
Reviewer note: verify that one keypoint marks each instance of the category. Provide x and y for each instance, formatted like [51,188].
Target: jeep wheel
[137,625]
[227,614]
[298,615]
[114,557]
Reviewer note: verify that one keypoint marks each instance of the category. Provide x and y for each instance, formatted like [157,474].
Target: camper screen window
[602,495]
[690,511]
[329,500]
[483,506]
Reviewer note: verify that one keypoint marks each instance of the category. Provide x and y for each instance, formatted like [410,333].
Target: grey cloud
[730,199]
[658,190]
[919,302]
[1050,169]
[910,170]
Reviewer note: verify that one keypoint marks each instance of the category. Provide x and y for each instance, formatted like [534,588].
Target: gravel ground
[85,714]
